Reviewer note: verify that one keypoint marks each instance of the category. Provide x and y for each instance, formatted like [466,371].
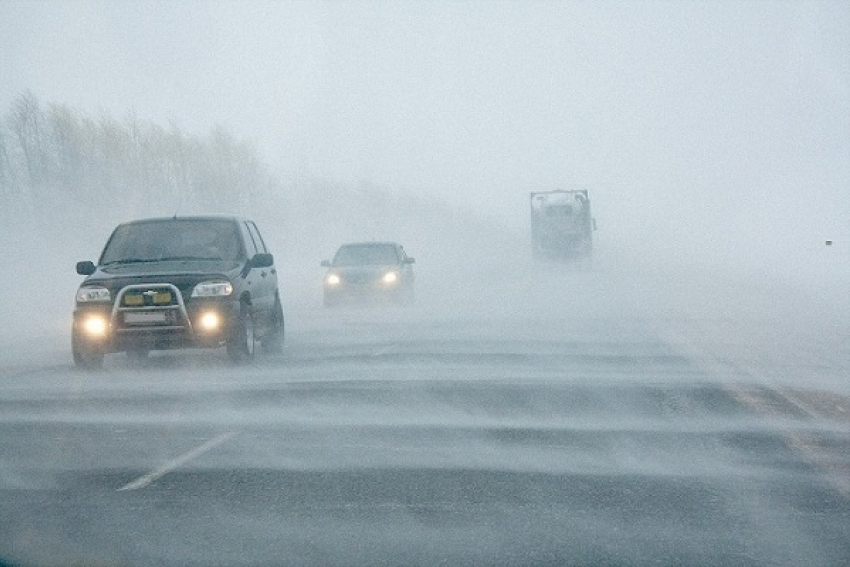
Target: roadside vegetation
[55,159]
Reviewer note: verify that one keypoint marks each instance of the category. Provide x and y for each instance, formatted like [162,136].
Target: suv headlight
[333,280]
[212,289]
[93,293]
[390,278]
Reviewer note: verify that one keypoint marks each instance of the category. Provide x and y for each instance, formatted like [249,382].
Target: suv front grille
[149,297]
[145,307]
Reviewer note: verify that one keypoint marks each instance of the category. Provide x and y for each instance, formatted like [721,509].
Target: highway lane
[423,437]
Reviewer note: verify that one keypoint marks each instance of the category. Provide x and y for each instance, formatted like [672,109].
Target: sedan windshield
[166,240]
[365,254]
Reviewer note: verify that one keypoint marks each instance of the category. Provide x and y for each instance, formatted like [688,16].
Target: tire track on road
[749,386]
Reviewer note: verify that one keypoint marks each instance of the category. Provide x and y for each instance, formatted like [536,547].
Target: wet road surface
[392,437]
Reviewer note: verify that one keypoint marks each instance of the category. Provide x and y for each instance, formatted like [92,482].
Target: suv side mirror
[326,263]
[262,260]
[86,268]
[409,260]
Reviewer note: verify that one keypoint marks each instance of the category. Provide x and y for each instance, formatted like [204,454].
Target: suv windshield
[361,254]
[163,240]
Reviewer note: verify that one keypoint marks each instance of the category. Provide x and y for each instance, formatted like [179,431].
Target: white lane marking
[145,480]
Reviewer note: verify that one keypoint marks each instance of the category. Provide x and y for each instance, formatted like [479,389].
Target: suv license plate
[144,318]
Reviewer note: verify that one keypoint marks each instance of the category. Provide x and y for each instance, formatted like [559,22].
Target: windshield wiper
[178,258]
[130,261]
[163,259]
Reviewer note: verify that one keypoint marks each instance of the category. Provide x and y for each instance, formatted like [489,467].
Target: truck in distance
[561,225]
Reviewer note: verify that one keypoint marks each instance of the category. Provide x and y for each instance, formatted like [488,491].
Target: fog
[713,138]
[682,400]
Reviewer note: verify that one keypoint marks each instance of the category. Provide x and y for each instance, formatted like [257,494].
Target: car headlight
[390,278]
[95,326]
[88,294]
[332,279]
[212,289]
[209,321]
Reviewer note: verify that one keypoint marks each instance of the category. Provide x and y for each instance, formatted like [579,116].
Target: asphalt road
[570,436]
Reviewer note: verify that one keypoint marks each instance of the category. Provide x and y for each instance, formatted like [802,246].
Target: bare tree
[60,158]
[7,175]
[67,147]
[26,123]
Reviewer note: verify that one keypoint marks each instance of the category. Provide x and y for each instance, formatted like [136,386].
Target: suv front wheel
[241,344]
[85,355]
[272,342]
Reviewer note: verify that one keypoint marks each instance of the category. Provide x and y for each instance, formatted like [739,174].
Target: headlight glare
[95,326]
[209,321]
[390,278]
[212,289]
[332,279]
[93,293]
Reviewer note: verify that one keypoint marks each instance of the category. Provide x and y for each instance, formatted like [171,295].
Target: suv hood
[184,274]
[166,268]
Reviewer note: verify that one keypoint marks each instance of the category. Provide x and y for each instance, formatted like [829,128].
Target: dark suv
[204,281]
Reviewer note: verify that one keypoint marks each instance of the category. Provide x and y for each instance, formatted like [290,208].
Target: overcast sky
[718,116]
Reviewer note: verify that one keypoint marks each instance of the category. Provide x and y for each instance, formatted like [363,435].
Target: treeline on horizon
[68,175]
[53,158]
